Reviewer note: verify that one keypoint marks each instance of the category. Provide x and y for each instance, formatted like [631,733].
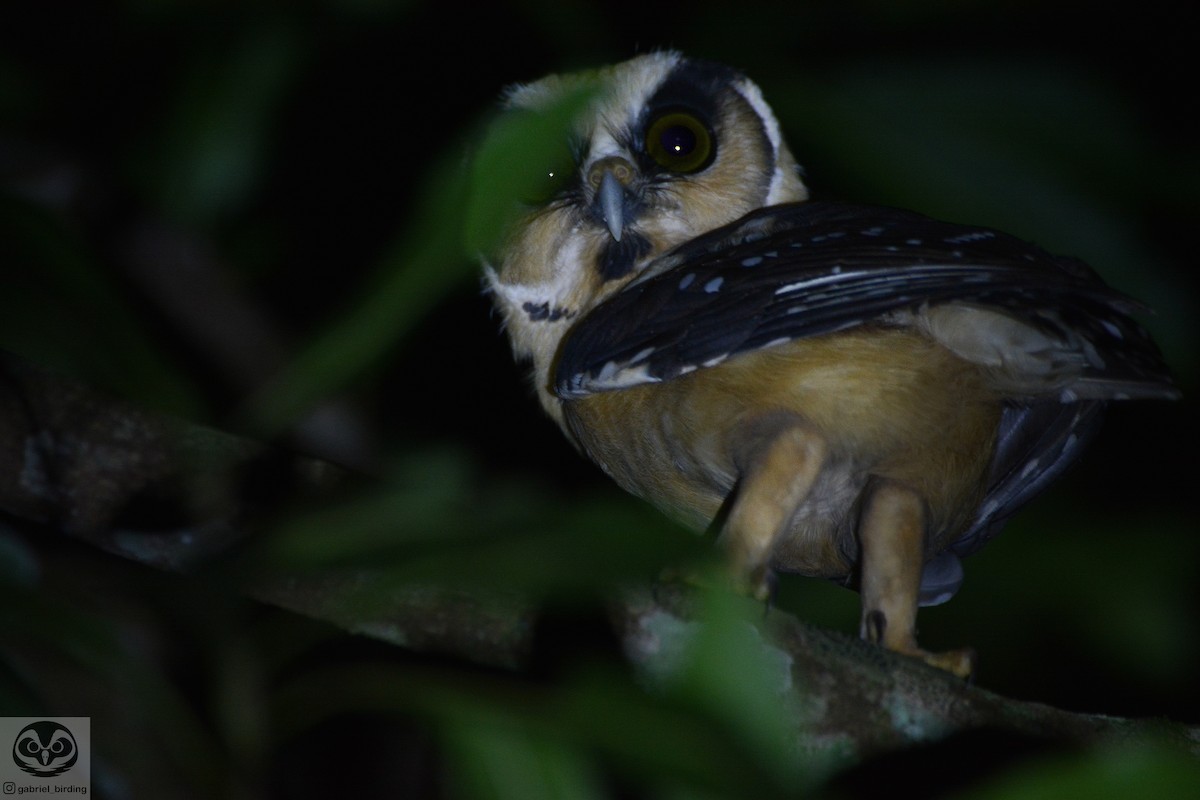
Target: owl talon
[874,627]
[960,663]
[760,584]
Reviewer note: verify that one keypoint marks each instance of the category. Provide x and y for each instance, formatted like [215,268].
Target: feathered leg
[892,535]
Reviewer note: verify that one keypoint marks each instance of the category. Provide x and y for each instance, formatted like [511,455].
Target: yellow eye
[680,142]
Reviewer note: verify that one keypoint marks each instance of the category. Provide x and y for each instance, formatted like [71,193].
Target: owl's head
[664,148]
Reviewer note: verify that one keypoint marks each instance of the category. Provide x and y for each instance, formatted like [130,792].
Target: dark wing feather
[798,270]
[1036,443]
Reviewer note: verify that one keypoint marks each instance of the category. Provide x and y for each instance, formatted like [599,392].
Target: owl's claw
[959,662]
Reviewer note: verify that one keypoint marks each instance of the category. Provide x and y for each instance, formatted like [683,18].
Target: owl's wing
[798,270]
[1058,340]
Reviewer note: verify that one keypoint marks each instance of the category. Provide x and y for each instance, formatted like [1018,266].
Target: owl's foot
[959,662]
[756,583]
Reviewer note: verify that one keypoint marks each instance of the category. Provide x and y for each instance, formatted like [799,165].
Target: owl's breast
[888,403]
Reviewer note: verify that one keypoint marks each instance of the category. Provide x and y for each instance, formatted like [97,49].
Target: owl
[45,748]
[851,392]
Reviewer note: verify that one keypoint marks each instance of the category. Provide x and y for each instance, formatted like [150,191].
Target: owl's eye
[680,142]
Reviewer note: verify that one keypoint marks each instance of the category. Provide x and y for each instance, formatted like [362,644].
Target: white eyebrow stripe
[753,95]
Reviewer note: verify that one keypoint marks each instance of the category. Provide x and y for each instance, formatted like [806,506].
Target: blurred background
[244,215]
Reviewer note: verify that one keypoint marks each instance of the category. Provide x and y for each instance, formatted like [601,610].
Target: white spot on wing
[623,378]
[809,283]
[973,236]
[713,286]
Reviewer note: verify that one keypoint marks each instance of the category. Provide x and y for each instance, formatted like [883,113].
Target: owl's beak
[612,204]
[611,178]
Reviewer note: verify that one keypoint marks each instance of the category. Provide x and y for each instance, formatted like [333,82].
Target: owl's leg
[777,474]
[892,536]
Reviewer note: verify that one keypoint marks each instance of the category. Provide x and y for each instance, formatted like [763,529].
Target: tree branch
[175,496]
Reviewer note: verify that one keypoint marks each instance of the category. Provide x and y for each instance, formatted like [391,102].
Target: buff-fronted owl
[856,393]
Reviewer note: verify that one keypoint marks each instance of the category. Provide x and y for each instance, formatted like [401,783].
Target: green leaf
[1119,773]
[221,123]
[60,308]
[489,757]
[423,265]
[730,670]
[19,567]
[433,520]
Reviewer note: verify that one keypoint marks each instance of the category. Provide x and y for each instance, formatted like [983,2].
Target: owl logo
[45,749]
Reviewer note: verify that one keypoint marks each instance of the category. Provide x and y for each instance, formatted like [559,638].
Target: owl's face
[667,148]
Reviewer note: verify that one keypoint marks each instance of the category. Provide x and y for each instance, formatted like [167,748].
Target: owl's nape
[870,393]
